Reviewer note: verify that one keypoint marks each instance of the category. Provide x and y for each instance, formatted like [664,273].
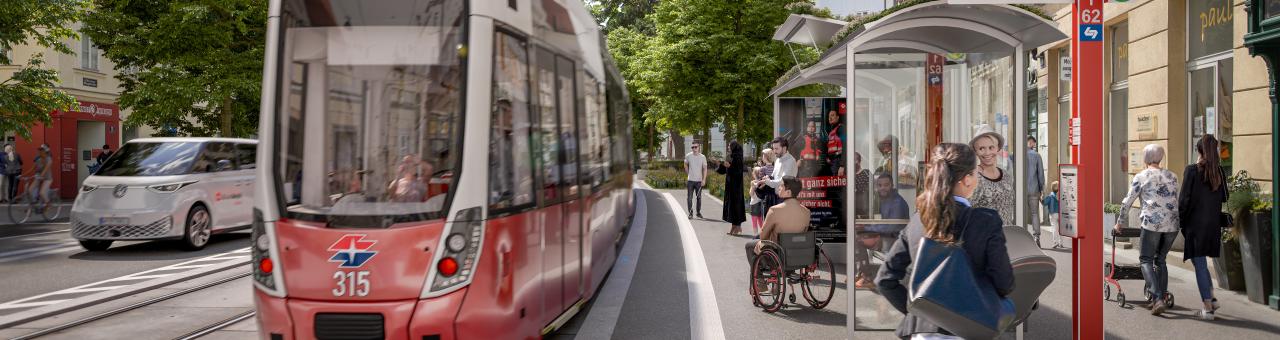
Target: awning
[937,27]
[807,30]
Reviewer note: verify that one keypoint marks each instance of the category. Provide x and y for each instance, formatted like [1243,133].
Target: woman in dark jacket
[12,169]
[946,216]
[1204,188]
[735,211]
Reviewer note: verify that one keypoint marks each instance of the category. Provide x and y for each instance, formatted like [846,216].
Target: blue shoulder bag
[945,291]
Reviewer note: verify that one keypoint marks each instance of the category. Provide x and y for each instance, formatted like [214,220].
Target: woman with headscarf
[732,169]
[995,185]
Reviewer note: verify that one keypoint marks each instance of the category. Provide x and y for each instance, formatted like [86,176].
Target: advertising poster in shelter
[818,144]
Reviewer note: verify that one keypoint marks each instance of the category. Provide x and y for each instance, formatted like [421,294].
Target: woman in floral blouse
[1156,190]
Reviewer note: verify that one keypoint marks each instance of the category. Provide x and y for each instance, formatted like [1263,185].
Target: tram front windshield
[370,113]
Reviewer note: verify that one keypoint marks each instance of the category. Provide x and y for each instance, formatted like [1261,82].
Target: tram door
[571,245]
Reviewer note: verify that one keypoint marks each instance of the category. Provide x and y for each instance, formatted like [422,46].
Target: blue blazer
[983,240]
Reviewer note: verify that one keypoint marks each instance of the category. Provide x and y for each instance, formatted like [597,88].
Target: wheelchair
[796,258]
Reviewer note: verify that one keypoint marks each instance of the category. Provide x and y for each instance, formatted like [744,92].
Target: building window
[1120,52]
[1118,115]
[7,54]
[1209,27]
[1209,79]
[88,53]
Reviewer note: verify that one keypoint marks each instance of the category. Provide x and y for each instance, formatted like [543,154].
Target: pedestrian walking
[695,165]
[1035,185]
[995,185]
[13,169]
[946,216]
[732,169]
[1156,190]
[1051,206]
[1204,189]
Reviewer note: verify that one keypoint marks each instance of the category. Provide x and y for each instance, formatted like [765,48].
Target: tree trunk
[653,142]
[677,144]
[227,116]
[738,121]
[706,139]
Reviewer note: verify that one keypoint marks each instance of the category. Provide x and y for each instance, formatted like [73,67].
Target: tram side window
[619,112]
[510,164]
[568,135]
[593,132]
[548,134]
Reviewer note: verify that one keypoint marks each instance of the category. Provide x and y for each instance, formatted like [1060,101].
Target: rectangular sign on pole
[1068,202]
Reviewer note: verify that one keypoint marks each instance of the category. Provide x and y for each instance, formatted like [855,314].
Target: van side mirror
[224,165]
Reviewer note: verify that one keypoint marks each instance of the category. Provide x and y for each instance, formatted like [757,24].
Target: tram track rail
[210,329]
[144,303]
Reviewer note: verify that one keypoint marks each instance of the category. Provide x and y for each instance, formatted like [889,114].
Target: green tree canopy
[31,93]
[194,66]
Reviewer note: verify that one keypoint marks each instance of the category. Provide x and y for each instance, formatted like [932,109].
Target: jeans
[1033,212]
[13,185]
[694,189]
[1155,246]
[1204,282]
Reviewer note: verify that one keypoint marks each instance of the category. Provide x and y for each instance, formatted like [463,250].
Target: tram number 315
[351,283]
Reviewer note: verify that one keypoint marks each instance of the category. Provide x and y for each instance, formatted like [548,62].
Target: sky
[843,7]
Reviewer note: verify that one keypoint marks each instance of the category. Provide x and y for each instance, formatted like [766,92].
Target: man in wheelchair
[786,217]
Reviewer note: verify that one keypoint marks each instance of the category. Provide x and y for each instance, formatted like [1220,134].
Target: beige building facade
[1175,70]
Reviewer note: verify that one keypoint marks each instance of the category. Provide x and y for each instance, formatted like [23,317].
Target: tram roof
[937,27]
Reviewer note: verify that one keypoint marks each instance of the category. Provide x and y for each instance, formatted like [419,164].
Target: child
[757,204]
[1051,204]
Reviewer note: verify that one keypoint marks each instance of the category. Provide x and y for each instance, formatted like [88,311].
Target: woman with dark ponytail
[1204,189]
[946,216]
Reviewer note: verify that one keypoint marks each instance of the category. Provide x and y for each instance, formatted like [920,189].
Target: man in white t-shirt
[784,166]
[695,164]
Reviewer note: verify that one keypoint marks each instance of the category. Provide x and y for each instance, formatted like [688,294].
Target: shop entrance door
[90,136]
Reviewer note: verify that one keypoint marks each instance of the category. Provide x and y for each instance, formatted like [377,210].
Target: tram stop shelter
[912,78]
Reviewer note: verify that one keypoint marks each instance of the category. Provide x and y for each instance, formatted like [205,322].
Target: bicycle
[27,204]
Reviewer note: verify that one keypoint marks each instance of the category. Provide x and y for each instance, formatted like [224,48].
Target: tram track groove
[137,305]
[206,330]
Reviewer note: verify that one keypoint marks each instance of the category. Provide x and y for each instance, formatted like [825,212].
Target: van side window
[247,155]
[216,156]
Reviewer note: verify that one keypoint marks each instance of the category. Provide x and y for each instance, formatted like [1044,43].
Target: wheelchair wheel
[1106,291]
[819,283]
[768,281]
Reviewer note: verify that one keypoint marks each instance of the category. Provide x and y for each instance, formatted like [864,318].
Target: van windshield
[151,159]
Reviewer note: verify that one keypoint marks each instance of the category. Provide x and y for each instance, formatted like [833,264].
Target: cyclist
[42,175]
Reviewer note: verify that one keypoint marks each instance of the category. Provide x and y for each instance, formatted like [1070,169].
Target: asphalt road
[42,258]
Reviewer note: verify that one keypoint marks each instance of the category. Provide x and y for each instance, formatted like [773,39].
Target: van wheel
[198,229]
[95,245]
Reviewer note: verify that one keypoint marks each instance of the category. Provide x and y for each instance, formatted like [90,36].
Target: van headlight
[87,188]
[169,188]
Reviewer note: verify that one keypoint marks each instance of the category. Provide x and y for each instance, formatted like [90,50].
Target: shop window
[1209,27]
[510,164]
[1120,52]
[6,56]
[1210,106]
[1118,135]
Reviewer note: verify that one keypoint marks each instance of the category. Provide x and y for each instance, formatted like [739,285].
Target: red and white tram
[436,169]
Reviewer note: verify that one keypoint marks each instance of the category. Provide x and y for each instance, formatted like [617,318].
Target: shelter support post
[851,95]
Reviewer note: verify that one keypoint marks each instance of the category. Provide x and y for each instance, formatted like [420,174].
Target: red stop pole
[1087,106]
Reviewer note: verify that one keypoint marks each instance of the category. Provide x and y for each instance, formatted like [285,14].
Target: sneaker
[1215,305]
[1157,307]
[700,215]
[1206,315]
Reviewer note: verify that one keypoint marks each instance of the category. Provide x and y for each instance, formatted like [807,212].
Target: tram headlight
[456,261]
[456,243]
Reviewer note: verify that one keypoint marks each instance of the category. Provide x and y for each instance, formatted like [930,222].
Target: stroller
[1115,272]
